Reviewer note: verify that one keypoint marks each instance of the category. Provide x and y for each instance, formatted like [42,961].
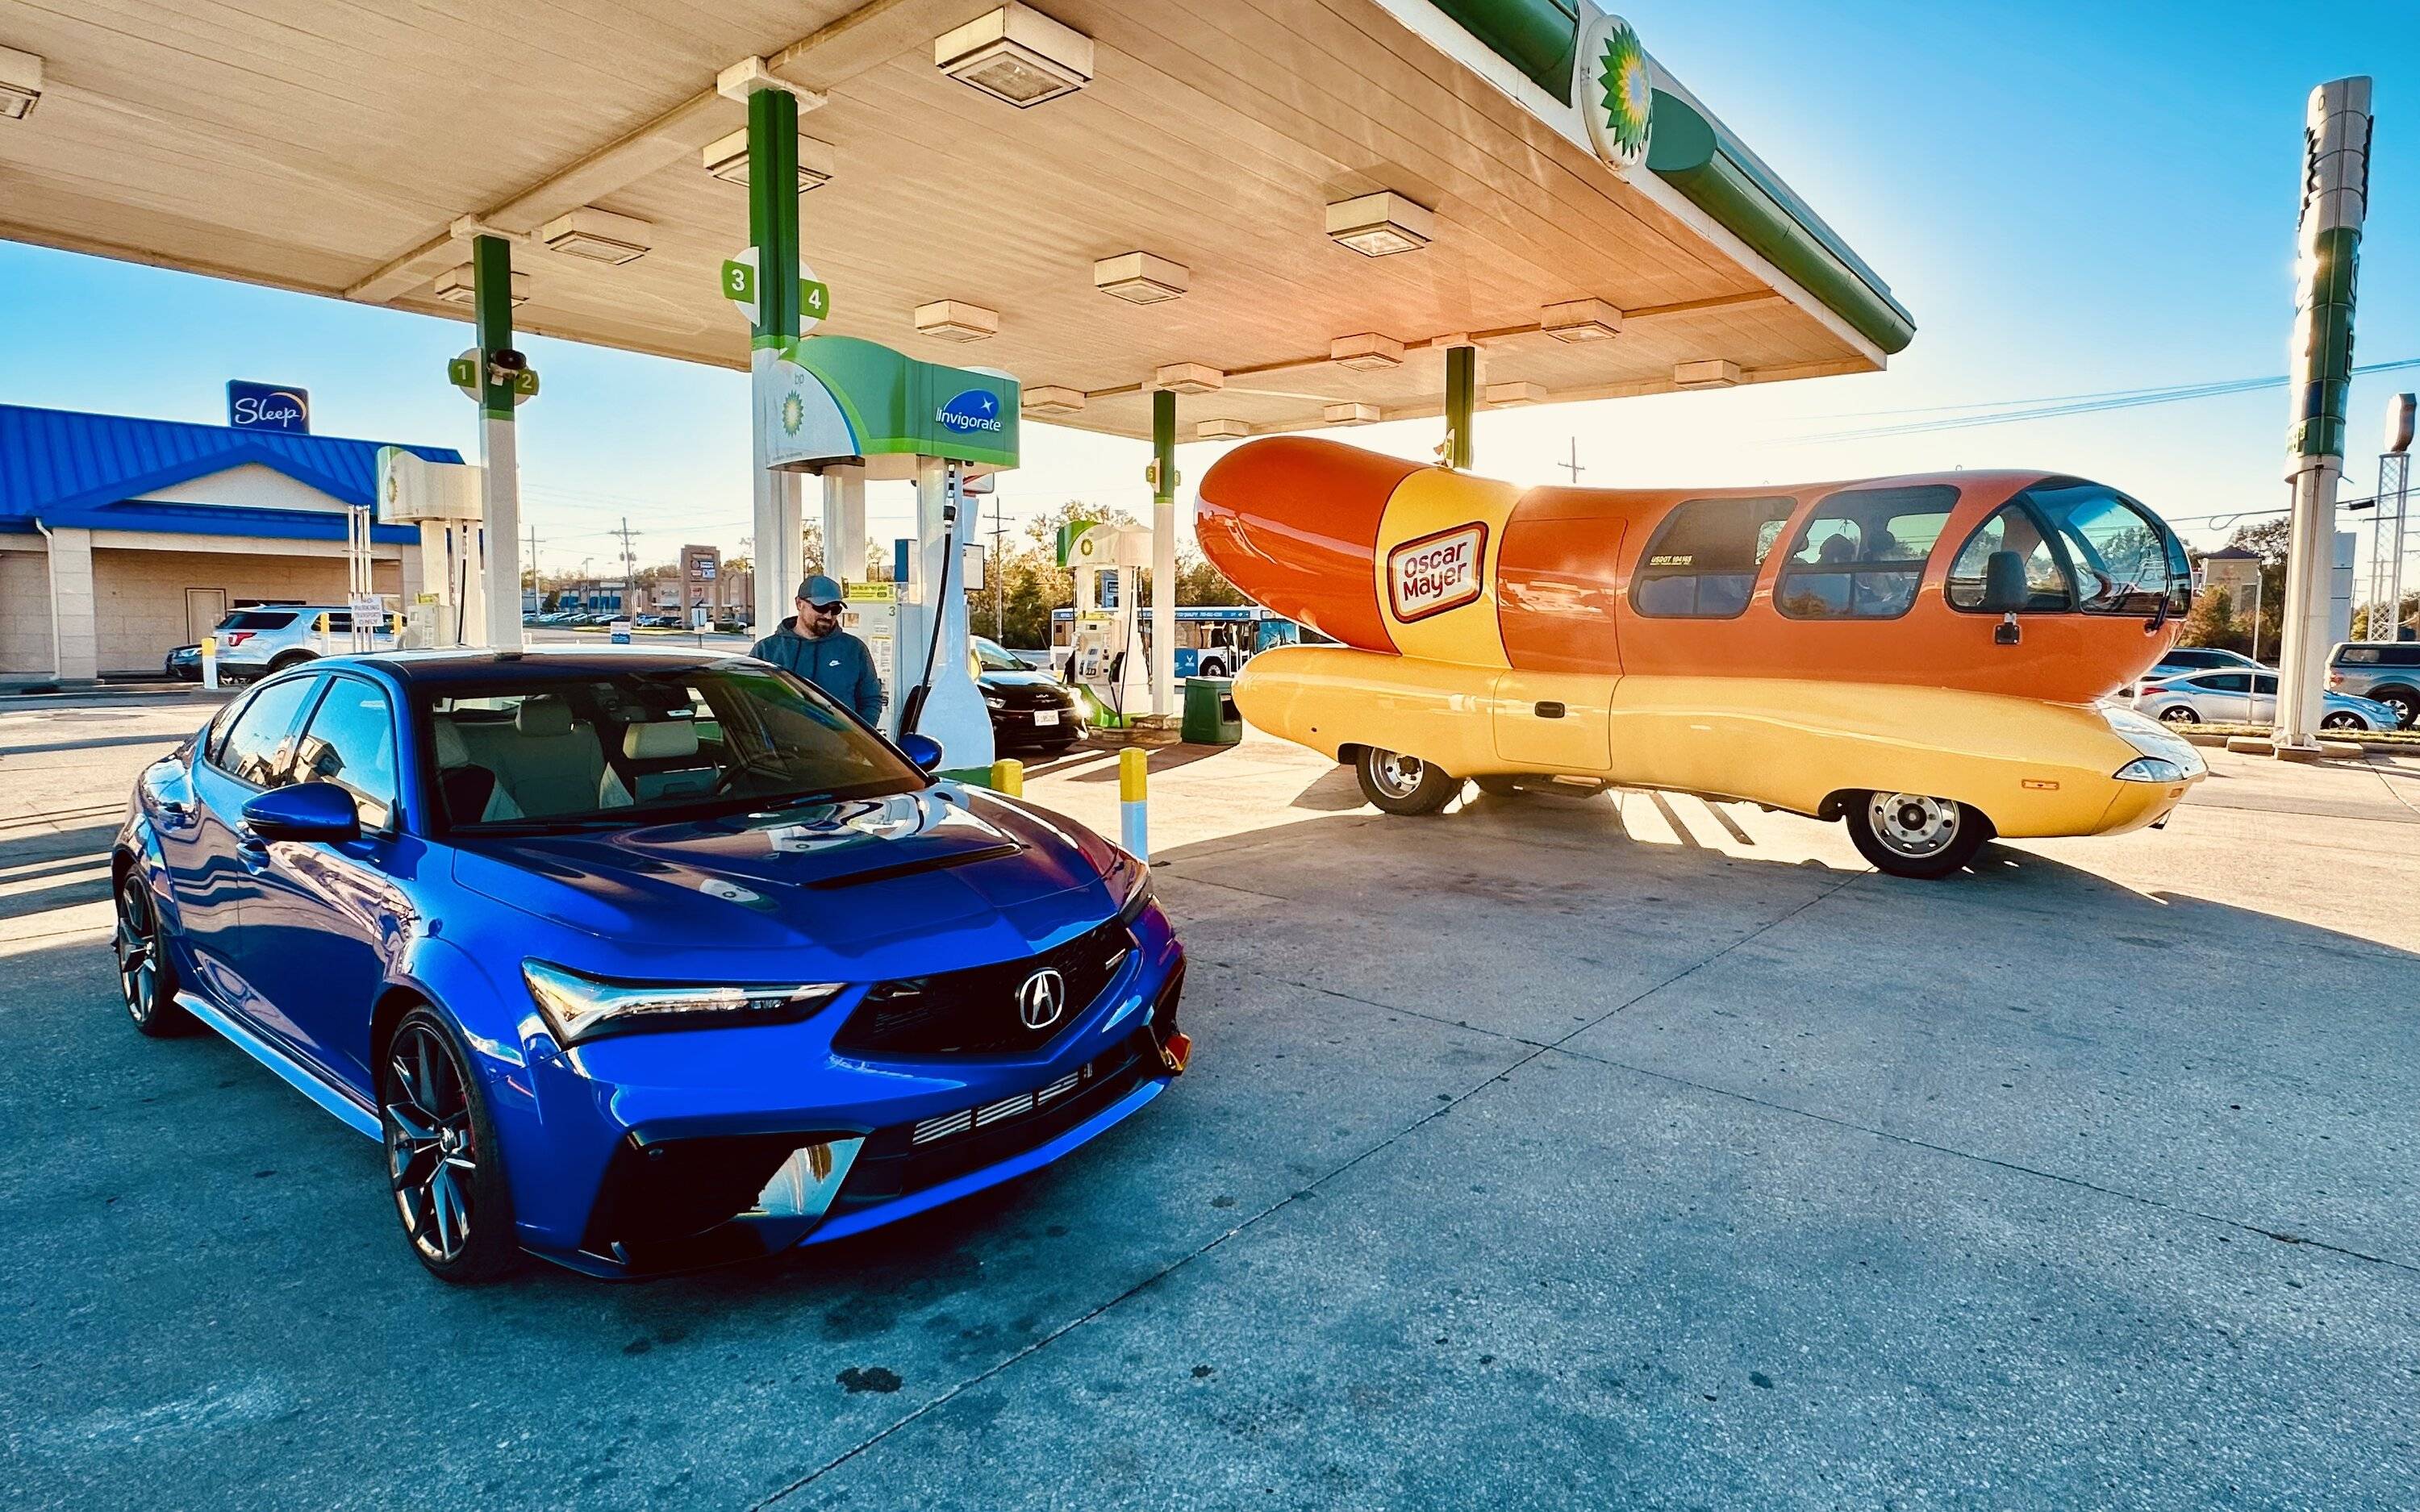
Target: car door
[2263,705]
[207,873]
[2222,696]
[321,919]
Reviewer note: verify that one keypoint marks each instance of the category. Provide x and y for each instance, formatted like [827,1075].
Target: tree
[2212,622]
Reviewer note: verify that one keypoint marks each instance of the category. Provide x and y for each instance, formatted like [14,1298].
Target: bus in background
[1212,641]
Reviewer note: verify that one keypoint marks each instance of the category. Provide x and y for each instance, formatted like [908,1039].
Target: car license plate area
[1046,716]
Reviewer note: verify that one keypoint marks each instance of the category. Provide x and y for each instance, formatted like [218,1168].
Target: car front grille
[1029,696]
[975,1012]
[909,1158]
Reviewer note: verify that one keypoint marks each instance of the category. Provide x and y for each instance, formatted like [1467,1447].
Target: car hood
[871,881]
[993,677]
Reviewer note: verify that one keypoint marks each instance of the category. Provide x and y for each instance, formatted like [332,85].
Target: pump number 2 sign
[739,287]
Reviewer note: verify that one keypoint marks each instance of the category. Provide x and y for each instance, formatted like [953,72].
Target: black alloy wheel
[443,1161]
[147,977]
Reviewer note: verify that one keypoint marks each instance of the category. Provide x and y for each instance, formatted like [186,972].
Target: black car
[1028,708]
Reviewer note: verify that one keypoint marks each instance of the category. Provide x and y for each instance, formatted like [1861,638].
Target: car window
[2357,657]
[2264,683]
[2013,528]
[1861,553]
[351,742]
[1703,559]
[2224,682]
[991,659]
[259,747]
[256,619]
[2124,561]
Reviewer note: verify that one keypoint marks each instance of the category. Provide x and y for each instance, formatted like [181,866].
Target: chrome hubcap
[138,950]
[431,1152]
[1398,776]
[1912,824]
[2181,715]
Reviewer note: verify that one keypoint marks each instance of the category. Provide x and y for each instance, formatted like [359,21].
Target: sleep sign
[1437,572]
[268,407]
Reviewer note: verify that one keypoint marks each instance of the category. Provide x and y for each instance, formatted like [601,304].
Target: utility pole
[1573,467]
[998,577]
[628,562]
[538,581]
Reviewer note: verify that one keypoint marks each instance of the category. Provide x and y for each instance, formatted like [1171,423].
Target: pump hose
[912,711]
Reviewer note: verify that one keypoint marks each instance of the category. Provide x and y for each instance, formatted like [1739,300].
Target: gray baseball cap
[818,589]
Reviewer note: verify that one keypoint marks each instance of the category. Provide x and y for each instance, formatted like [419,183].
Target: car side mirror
[923,749]
[304,811]
[2004,591]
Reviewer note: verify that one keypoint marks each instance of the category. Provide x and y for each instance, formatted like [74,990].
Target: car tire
[291,658]
[147,967]
[1909,835]
[1400,785]
[2179,714]
[2403,701]
[1214,669]
[2343,719]
[444,1165]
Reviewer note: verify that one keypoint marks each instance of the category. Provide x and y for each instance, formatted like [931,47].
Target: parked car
[2248,698]
[1028,707]
[2388,673]
[638,960]
[254,641]
[184,664]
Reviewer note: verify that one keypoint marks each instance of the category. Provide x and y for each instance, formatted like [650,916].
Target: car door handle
[1551,711]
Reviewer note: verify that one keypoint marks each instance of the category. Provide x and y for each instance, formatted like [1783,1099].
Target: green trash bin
[1210,716]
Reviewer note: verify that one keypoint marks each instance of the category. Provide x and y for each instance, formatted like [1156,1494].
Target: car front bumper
[649,1153]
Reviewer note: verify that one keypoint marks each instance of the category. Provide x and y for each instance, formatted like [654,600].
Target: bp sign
[1616,92]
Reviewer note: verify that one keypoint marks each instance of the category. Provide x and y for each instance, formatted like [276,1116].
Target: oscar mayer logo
[1437,572]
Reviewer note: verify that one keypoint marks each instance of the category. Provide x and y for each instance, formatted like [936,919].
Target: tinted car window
[1861,553]
[2124,562]
[2224,682]
[256,619]
[2011,528]
[1704,561]
[258,746]
[351,742]
[2264,683]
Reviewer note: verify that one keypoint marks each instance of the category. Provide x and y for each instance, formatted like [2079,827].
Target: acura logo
[1041,999]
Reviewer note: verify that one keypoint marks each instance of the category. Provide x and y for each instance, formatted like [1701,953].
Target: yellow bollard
[210,661]
[1008,776]
[1133,767]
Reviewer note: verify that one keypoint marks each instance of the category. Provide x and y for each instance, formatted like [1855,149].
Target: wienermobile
[1922,658]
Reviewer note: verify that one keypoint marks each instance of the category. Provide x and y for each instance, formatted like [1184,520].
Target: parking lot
[1624,1151]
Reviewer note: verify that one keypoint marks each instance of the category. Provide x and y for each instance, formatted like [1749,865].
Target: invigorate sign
[1437,572]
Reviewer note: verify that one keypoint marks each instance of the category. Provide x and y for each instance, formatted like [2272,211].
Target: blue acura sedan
[639,961]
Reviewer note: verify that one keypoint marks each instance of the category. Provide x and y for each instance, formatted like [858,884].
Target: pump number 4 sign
[739,287]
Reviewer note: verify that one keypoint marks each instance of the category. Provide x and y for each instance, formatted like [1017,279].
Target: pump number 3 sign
[739,287]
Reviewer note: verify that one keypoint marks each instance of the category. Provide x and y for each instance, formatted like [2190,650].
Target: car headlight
[1137,895]
[2151,769]
[990,702]
[2154,741]
[580,1008]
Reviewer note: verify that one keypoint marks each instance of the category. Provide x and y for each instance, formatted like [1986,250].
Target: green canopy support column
[1460,389]
[492,276]
[773,230]
[1163,552]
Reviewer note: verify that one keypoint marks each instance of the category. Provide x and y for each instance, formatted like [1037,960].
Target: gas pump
[1106,656]
[443,499]
[851,408]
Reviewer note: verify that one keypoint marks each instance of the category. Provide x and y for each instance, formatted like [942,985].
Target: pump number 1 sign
[739,287]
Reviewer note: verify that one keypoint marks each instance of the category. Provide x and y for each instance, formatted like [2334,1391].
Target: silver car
[2389,674]
[253,642]
[2247,698]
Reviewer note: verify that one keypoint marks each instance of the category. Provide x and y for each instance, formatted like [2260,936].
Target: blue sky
[2071,198]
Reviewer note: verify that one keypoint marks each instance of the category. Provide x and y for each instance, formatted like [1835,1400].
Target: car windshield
[991,659]
[596,749]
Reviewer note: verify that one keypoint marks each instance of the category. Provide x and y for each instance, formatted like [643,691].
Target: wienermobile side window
[1704,561]
[2011,528]
[2084,546]
[1862,554]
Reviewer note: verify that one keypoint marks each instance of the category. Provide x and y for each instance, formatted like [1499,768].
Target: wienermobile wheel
[1403,784]
[1909,835]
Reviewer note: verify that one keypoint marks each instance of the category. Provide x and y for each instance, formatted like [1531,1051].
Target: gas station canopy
[1501,155]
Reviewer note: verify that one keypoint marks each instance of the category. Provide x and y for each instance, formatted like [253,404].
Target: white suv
[272,637]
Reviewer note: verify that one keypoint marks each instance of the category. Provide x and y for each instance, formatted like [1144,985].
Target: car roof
[538,664]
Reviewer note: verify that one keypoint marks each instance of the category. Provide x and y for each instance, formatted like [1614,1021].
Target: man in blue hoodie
[815,647]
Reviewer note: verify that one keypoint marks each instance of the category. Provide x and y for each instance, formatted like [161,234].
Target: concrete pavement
[1549,1152]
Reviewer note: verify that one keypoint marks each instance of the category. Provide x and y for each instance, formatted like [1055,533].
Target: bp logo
[1618,91]
[975,409]
[794,412]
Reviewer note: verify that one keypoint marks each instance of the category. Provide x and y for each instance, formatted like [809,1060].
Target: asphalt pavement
[1618,1152]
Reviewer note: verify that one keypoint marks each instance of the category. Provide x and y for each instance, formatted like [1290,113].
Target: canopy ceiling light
[1500,395]
[1051,400]
[726,158]
[1366,352]
[1580,320]
[1378,225]
[456,286]
[1140,278]
[1709,372]
[1219,430]
[956,320]
[21,83]
[599,235]
[1188,378]
[1016,54]
[1350,414]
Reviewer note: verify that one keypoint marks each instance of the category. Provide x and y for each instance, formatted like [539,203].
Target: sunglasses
[825,608]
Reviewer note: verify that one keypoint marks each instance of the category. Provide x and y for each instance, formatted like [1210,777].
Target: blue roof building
[121,538]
